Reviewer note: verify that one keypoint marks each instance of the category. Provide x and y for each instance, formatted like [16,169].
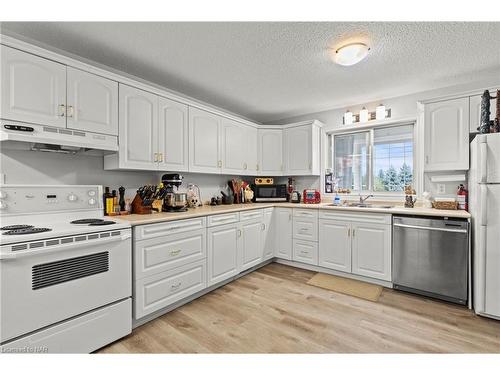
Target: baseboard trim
[311,267]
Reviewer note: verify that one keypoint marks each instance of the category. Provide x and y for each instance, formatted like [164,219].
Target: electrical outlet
[441,188]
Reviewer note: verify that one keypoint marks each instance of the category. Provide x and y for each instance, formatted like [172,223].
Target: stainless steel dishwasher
[430,257]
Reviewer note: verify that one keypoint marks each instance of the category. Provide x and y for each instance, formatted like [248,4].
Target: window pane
[393,158]
[351,161]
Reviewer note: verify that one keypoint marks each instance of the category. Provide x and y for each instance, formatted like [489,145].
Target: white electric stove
[65,270]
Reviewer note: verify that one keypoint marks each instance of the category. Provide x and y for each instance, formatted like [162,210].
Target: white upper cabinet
[173,136]
[446,132]
[252,158]
[205,147]
[302,150]
[138,129]
[234,147]
[475,112]
[271,152]
[92,102]
[33,89]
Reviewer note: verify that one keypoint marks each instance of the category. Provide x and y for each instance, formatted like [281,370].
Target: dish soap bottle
[336,200]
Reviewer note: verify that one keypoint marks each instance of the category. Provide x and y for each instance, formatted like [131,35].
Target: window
[376,160]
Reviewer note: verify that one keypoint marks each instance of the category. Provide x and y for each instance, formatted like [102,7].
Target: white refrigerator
[484,202]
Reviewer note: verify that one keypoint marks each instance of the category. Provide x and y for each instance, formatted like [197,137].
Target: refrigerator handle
[483,152]
[482,204]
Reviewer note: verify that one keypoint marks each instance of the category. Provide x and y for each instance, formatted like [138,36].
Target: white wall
[20,166]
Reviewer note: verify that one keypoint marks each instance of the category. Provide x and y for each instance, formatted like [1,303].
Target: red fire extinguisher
[463,198]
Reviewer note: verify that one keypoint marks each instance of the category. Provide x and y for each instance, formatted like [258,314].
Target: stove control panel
[23,199]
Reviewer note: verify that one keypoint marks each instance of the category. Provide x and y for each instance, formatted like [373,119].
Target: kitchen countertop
[206,210]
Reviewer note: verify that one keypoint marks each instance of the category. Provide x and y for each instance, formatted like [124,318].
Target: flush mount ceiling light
[351,54]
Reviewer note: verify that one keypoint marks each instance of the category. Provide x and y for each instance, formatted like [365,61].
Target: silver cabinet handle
[175,252]
[431,228]
[245,166]
[348,232]
[353,232]
[239,233]
[62,110]
[70,111]
[257,167]
[160,156]
[176,286]
[155,157]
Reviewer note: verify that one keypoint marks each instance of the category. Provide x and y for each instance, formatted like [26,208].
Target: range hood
[61,139]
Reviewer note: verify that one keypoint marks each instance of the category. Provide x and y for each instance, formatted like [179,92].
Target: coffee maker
[173,201]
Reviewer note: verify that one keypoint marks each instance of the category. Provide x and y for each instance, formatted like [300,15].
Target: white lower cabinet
[160,290]
[335,245]
[283,225]
[356,243]
[222,249]
[371,250]
[250,248]
[268,234]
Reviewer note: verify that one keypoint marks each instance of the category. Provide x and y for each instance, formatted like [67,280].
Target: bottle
[110,203]
[105,197]
[336,200]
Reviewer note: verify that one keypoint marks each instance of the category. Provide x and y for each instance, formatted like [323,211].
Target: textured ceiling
[268,71]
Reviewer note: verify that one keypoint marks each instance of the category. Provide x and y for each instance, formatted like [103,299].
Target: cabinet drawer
[305,229]
[305,252]
[161,290]
[306,212]
[221,219]
[143,232]
[253,214]
[362,217]
[165,253]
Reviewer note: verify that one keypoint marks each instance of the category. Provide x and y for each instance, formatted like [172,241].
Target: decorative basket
[445,205]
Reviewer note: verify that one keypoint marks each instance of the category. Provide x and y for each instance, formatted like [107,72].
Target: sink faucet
[362,200]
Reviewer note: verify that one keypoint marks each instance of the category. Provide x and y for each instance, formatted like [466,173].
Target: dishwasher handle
[431,228]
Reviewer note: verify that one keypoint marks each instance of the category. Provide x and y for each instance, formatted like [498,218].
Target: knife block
[139,208]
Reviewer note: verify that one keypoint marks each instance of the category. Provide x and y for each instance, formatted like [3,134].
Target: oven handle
[71,246]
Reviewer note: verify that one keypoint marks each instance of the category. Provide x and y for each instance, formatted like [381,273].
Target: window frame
[371,138]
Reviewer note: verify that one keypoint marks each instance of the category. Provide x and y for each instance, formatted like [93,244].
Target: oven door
[49,284]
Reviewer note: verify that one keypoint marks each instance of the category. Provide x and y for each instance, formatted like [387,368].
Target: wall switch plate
[441,188]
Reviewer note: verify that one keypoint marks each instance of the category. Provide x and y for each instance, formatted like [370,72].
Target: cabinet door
[173,136]
[283,233]
[335,245]
[92,102]
[475,111]
[252,159]
[268,234]
[251,245]
[298,150]
[222,252]
[138,129]
[33,89]
[447,135]
[271,152]
[371,250]
[204,141]
[233,147]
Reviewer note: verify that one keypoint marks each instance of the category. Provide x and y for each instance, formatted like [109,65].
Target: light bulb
[380,112]
[348,118]
[363,115]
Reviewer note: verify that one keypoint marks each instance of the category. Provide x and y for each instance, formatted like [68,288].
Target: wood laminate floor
[273,310]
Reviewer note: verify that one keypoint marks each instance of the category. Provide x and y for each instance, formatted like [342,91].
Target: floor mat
[347,286]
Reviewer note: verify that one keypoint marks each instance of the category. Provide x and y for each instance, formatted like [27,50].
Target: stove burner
[26,231]
[102,222]
[15,227]
[86,221]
